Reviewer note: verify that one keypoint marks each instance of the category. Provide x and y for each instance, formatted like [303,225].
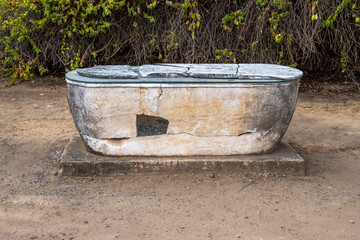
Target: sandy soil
[37,203]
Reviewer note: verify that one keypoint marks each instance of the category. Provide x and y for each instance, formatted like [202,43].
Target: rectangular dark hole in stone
[151,125]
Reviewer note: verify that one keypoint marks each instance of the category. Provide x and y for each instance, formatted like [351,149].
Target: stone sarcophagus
[183,109]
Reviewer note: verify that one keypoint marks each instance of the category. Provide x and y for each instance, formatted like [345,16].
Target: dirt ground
[37,203]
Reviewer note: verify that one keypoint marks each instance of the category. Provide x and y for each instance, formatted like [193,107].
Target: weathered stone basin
[183,109]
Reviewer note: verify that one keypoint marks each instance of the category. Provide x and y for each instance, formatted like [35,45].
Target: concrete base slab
[76,160]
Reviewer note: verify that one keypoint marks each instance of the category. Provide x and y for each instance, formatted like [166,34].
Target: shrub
[40,36]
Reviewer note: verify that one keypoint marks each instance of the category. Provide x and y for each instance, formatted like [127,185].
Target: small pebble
[181,227]
[85,221]
[352,221]
[35,106]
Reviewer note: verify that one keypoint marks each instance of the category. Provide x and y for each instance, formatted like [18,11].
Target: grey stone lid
[185,73]
[108,71]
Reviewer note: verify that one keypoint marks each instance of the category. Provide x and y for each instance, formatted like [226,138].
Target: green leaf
[197,24]
[153,41]
[294,65]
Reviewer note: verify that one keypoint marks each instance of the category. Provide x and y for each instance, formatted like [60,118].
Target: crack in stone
[161,93]
[245,133]
[186,72]
[194,135]
[136,70]
[140,106]
[237,71]
[115,139]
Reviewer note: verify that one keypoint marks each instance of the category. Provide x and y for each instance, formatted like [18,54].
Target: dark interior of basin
[151,125]
[186,73]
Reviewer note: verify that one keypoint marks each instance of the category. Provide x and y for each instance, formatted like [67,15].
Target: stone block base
[75,160]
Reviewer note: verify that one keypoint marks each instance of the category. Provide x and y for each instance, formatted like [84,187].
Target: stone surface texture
[110,71]
[75,160]
[222,118]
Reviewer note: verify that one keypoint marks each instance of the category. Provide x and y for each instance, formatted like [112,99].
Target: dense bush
[39,36]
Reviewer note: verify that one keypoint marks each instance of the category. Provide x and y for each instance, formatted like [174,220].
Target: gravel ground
[37,203]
